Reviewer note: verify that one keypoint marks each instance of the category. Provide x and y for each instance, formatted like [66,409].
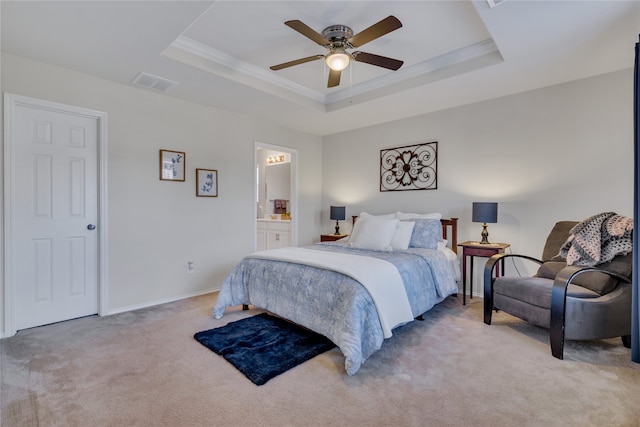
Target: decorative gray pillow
[426,233]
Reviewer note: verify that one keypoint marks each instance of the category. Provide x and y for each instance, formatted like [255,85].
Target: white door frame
[11,101]
[293,198]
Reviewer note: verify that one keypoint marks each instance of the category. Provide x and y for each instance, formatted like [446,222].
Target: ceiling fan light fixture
[338,60]
[337,39]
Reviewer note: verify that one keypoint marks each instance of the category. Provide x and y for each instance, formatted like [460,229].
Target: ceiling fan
[337,39]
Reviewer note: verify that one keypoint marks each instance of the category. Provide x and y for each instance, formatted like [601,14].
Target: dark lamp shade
[338,213]
[485,212]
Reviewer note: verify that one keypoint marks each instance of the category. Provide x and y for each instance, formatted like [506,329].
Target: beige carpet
[145,369]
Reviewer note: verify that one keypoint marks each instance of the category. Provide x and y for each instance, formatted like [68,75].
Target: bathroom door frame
[293,188]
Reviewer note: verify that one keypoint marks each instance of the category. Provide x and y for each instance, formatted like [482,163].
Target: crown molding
[200,49]
[423,68]
[465,59]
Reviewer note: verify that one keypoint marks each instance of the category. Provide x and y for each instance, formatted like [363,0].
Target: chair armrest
[490,266]
[559,302]
[489,278]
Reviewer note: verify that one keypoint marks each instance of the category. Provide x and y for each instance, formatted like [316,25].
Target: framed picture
[172,165]
[206,183]
[413,167]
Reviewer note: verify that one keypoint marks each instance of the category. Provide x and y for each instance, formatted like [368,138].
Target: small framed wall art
[172,165]
[206,183]
[413,167]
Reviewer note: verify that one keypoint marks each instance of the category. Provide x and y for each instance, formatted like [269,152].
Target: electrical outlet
[189,267]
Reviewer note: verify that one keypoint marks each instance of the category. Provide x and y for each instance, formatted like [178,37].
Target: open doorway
[275,196]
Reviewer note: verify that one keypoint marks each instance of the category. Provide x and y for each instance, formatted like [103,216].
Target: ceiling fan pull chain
[350,85]
[325,71]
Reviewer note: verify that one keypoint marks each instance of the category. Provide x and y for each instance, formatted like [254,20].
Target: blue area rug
[264,346]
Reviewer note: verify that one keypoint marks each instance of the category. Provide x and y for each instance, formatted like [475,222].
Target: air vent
[494,3]
[150,81]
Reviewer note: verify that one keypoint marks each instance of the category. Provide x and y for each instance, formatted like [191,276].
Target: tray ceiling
[219,53]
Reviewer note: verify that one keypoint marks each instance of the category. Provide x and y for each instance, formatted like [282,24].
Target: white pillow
[442,244]
[360,218]
[356,229]
[434,215]
[374,233]
[402,237]
[385,216]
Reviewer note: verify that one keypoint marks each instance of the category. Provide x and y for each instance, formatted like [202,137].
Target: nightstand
[474,249]
[332,237]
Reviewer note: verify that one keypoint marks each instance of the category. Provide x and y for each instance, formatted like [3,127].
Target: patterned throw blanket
[598,239]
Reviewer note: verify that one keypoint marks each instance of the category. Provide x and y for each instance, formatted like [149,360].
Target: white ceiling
[219,52]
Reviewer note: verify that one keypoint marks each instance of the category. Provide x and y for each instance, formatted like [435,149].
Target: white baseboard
[146,305]
[158,302]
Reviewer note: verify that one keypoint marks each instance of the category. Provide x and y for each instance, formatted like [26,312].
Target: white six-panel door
[54,236]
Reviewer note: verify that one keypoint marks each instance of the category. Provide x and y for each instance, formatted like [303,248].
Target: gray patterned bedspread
[331,303]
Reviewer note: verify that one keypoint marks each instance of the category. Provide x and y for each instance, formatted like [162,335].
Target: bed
[344,289]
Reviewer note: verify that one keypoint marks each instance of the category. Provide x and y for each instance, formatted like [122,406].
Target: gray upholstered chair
[574,303]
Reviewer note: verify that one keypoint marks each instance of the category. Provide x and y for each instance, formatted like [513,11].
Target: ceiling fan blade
[296,62]
[388,24]
[334,78]
[380,61]
[308,32]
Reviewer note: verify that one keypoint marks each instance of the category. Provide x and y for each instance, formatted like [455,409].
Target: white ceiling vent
[150,81]
[494,3]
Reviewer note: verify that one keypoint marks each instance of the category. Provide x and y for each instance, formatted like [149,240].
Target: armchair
[573,302]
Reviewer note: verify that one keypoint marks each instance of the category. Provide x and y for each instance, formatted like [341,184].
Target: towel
[279,206]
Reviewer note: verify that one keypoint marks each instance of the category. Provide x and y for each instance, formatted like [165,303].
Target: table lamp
[338,213]
[485,212]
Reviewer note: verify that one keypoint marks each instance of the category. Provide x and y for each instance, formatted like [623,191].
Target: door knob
[91,227]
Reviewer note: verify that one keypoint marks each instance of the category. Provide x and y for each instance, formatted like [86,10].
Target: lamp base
[337,228]
[485,235]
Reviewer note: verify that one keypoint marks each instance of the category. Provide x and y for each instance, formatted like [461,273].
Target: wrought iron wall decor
[413,167]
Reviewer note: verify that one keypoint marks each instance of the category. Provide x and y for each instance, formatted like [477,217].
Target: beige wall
[156,226]
[564,152]
[558,153]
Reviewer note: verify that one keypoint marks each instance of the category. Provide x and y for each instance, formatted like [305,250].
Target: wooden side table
[332,237]
[474,249]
